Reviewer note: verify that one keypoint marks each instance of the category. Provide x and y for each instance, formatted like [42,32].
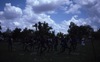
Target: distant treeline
[43,29]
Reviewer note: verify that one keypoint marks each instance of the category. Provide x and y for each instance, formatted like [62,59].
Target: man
[10,42]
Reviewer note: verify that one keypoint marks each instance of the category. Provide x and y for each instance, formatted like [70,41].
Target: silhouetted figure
[1,37]
[50,44]
[10,42]
[55,43]
[63,44]
[26,44]
[83,42]
[42,46]
[31,44]
[73,44]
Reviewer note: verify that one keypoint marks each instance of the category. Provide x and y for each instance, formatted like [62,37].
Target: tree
[16,34]
[8,32]
[40,26]
[42,29]
[96,35]
[46,28]
[86,31]
[35,26]
[73,30]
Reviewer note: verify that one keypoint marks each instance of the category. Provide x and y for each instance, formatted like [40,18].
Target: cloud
[44,8]
[42,2]
[40,6]
[64,25]
[70,7]
[13,17]
[85,2]
[34,12]
[1,15]
[92,7]
[11,12]
[73,8]
[38,10]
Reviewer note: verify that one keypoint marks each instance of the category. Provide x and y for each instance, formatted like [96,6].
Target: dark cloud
[44,8]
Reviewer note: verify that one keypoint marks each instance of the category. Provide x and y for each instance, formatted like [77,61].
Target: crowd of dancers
[42,40]
[45,44]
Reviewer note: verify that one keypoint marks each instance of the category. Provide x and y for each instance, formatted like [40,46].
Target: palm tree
[46,28]
[35,26]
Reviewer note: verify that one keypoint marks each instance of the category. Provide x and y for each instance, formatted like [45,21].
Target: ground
[83,54]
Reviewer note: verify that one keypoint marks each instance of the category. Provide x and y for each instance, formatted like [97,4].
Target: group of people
[43,44]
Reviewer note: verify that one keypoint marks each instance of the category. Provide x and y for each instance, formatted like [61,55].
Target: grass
[82,54]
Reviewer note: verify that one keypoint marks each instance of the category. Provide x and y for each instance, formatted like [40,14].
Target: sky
[57,13]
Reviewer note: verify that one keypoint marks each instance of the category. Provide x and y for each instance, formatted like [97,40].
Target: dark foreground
[82,54]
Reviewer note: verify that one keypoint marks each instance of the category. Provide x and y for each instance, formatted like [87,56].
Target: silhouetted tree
[73,29]
[35,26]
[73,32]
[96,35]
[16,34]
[85,31]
